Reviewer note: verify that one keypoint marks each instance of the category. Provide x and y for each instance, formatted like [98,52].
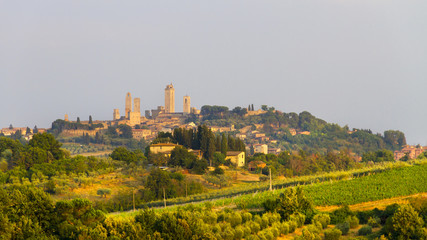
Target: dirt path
[380,204]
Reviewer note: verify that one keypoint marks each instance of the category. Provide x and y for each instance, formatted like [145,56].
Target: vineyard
[398,181]
[252,195]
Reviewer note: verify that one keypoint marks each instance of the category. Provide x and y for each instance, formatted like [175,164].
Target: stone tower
[136,105]
[116,114]
[169,99]
[128,106]
[187,105]
[66,117]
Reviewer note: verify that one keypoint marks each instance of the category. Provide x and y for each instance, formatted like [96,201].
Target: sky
[361,63]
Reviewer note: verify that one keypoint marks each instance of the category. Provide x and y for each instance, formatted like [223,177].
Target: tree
[11,126]
[90,119]
[218,159]
[122,154]
[78,120]
[395,139]
[264,107]
[126,131]
[231,143]
[181,157]
[407,224]
[47,142]
[157,181]
[218,143]
[103,192]
[35,130]
[28,131]
[211,149]
[253,107]
[290,202]
[224,144]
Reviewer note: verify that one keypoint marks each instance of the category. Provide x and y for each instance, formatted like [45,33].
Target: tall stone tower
[128,106]
[136,105]
[169,99]
[187,104]
[116,114]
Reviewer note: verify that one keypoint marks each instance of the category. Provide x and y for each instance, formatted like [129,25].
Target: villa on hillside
[236,157]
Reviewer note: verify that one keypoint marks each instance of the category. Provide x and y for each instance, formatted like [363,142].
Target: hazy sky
[356,62]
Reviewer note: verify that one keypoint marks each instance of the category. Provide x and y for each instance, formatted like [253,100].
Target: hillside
[292,131]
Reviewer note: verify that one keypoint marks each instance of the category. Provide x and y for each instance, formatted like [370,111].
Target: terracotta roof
[163,144]
[233,153]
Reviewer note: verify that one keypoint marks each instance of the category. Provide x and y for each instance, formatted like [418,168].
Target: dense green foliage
[301,163]
[378,156]
[323,136]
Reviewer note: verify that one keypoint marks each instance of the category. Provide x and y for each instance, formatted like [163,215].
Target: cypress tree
[218,143]
[224,145]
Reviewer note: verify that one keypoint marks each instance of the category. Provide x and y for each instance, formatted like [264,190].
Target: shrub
[365,230]
[332,234]
[343,227]
[275,231]
[233,218]
[246,217]
[255,227]
[284,228]
[340,215]
[239,233]
[374,222]
[353,221]
[309,235]
[298,218]
[292,226]
[323,219]
[252,237]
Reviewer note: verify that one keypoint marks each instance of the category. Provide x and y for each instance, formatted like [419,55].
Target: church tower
[169,99]
[187,105]
[128,106]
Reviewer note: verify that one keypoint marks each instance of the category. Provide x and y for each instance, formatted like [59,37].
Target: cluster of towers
[134,114]
[170,101]
[129,114]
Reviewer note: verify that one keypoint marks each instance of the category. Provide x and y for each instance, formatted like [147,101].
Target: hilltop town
[265,130]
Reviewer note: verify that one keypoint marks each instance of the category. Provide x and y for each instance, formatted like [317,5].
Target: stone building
[165,148]
[128,105]
[411,151]
[236,157]
[187,105]
[169,99]
[131,118]
[261,148]
[116,114]
[136,105]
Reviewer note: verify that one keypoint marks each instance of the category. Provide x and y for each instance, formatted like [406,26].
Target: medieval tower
[116,114]
[169,99]
[128,105]
[136,105]
[187,105]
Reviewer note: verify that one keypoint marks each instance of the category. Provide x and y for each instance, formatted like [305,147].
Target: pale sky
[357,62]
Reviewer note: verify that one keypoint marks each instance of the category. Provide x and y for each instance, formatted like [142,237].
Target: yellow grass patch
[380,204]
